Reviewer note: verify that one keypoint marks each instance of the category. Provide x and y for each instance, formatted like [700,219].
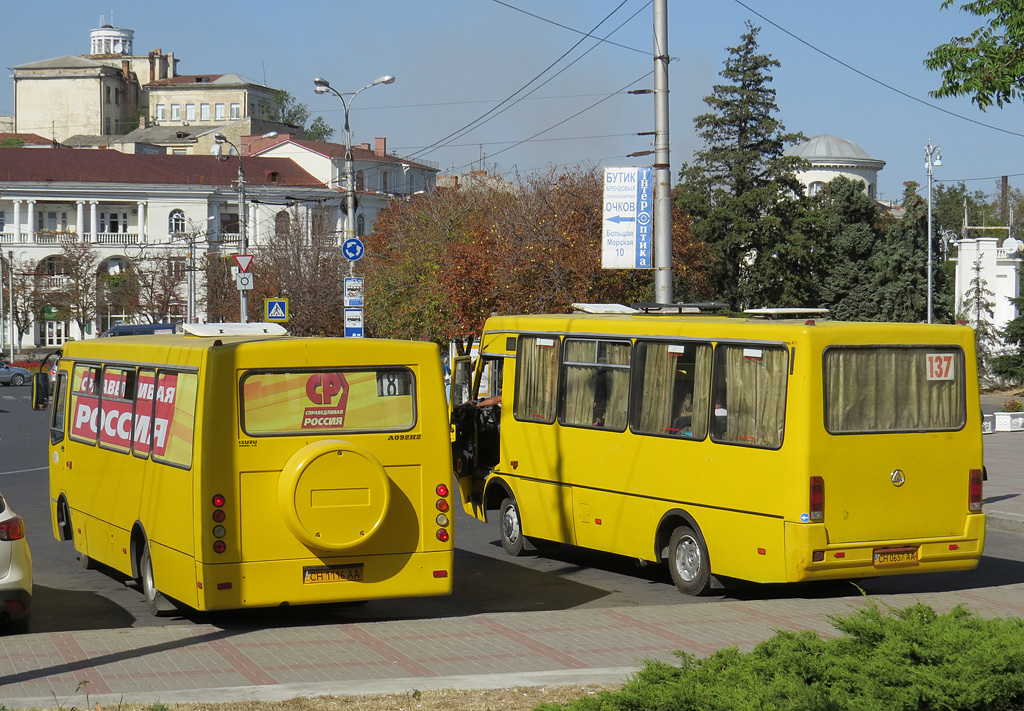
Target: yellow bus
[234,467]
[762,449]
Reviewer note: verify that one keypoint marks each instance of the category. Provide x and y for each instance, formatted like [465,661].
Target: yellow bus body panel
[116,499]
[612,491]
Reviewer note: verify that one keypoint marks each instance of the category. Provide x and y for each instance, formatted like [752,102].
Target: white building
[999,269]
[832,156]
[131,207]
[380,177]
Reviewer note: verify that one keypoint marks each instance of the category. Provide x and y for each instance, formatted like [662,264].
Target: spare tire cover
[333,494]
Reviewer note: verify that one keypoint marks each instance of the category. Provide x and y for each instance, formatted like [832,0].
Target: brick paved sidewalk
[204,663]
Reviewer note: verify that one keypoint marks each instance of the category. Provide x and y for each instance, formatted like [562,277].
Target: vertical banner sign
[626,235]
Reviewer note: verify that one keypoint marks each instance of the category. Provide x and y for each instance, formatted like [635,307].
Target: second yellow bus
[764,450]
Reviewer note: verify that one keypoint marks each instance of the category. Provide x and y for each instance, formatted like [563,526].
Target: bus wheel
[512,539]
[155,600]
[688,561]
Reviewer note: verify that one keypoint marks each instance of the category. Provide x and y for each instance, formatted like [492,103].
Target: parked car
[13,375]
[15,572]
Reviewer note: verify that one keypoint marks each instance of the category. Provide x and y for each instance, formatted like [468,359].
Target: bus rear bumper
[811,557]
[313,581]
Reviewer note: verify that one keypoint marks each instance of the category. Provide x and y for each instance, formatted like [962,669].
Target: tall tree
[977,311]
[161,283]
[988,63]
[741,189]
[77,296]
[303,262]
[845,228]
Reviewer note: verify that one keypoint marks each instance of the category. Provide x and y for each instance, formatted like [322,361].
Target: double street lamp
[323,87]
[243,232]
[932,157]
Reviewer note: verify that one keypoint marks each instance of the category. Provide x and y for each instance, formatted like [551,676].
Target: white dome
[833,150]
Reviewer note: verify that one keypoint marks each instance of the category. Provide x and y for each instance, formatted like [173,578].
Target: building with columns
[132,207]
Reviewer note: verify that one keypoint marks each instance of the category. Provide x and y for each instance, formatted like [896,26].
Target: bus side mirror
[40,391]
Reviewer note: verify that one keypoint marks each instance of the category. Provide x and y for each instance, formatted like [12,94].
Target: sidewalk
[205,663]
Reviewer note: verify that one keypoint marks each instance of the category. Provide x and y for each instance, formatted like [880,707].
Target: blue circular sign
[353,249]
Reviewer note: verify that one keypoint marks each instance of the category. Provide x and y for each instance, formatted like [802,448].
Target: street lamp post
[243,226]
[932,157]
[322,87]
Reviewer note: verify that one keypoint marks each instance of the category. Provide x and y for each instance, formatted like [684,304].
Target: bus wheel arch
[680,542]
[142,567]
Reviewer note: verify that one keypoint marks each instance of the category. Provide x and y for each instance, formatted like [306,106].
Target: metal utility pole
[662,169]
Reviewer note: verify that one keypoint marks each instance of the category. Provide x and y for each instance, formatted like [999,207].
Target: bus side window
[595,384]
[60,407]
[750,394]
[537,379]
[671,389]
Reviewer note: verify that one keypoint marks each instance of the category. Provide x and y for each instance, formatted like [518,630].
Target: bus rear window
[894,389]
[321,402]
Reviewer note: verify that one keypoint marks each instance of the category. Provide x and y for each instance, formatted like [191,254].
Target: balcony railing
[116,238]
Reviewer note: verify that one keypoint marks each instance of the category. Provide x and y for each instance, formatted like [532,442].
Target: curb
[287,692]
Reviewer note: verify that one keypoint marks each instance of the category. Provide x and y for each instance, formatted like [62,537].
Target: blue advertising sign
[627,229]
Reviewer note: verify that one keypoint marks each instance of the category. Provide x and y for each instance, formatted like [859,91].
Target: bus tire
[510,525]
[688,561]
[158,605]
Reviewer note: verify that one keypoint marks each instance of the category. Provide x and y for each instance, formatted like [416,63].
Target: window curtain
[887,390]
[616,411]
[755,396]
[580,383]
[538,368]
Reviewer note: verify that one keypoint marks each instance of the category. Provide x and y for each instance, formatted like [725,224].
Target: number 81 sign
[940,366]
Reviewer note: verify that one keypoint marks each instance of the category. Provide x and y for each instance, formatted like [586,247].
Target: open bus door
[464,417]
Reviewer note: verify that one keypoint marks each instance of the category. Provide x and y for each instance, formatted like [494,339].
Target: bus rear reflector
[817,502]
[440,573]
[974,495]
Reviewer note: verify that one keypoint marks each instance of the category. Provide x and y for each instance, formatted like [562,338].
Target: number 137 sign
[940,366]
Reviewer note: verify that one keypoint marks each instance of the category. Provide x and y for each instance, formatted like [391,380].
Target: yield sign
[244,260]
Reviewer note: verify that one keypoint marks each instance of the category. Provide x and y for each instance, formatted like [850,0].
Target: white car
[15,572]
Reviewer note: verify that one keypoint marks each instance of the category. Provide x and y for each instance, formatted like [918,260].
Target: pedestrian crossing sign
[275,310]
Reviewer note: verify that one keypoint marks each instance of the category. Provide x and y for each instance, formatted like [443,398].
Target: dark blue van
[140,329]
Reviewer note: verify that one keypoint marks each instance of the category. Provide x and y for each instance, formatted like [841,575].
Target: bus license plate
[331,573]
[896,556]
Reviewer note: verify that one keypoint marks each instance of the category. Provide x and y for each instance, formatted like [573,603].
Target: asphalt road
[68,597]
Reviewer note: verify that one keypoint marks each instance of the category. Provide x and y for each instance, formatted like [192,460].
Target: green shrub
[910,659]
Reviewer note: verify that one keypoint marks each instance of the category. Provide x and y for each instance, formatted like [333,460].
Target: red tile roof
[186,79]
[337,150]
[108,166]
[30,139]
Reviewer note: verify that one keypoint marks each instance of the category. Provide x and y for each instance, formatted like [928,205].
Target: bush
[910,659]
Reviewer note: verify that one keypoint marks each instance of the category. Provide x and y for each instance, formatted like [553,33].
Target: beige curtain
[616,412]
[580,383]
[664,376]
[755,395]
[888,390]
[538,369]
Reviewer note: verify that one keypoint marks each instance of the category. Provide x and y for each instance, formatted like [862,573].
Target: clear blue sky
[455,60]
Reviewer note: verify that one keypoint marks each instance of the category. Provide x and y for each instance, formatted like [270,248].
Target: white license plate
[312,574]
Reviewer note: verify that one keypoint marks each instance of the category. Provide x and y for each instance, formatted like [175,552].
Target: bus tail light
[974,492]
[219,531]
[442,535]
[12,529]
[817,502]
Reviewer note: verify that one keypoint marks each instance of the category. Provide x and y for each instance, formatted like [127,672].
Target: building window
[190,112]
[361,180]
[360,226]
[204,112]
[384,181]
[161,113]
[218,112]
[175,112]
[814,188]
[108,132]
[117,97]
[108,94]
[282,224]
[236,111]
[176,222]
[3,220]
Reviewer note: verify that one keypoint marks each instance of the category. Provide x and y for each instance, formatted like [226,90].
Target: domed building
[832,156]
